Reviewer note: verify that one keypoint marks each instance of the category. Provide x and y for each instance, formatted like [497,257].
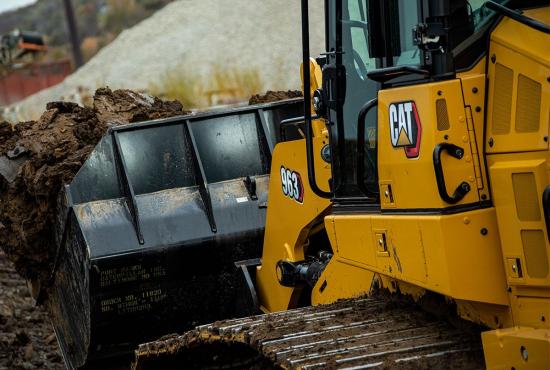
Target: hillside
[189,41]
[101,19]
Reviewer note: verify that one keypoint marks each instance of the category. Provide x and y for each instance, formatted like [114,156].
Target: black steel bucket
[153,223]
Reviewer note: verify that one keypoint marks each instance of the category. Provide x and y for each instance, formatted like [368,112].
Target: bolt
[440,93]
[491,142]
[484,232]
[524,353]
[546,138]
[509,290]
[542,318]
[474,90]
[493,58]
[446,137]
[483,196]
[478,109]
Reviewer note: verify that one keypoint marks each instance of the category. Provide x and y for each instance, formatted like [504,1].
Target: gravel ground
[263,35]
[27,340]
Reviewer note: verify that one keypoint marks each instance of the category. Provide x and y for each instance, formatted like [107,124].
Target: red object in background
[30,79]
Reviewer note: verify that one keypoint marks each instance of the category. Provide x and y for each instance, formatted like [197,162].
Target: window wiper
[517,16]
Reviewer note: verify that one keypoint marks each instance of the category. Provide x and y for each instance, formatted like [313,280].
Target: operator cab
[372,45]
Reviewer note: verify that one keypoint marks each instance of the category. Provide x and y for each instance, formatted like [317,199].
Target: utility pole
[73,33]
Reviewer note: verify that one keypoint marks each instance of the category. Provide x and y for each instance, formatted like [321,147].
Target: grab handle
[462,189]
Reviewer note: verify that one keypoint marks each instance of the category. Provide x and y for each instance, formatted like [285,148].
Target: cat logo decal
[405,127]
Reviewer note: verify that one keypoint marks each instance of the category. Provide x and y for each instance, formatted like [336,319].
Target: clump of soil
[49,153]
[27,340]
[272,96]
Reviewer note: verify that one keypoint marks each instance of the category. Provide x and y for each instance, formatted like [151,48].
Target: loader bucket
[153,223]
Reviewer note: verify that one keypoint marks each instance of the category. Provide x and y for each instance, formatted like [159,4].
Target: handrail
[517,16]
[307,106]
[361,146]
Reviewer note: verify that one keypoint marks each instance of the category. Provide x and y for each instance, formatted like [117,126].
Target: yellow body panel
[342,279]
[440,253]
[397,170]
[517,348]
[519,93]
[289,222]
[518,116]
[518,181]
[473,89]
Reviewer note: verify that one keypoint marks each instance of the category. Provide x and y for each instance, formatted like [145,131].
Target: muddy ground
[27,340]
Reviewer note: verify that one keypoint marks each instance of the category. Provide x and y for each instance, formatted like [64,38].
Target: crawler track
[351,334]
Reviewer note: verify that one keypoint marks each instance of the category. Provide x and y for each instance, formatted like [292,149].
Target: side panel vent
[528,105]
[502,105]
[442,115]
[525,192]
[534,248]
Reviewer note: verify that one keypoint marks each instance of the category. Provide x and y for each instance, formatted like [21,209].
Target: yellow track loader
[422,185]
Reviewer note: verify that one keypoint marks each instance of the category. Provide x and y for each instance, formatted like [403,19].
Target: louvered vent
[442,115]
[502,103]
[528,105]
[525,193]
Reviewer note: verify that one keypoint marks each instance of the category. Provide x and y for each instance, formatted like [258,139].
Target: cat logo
[405,128]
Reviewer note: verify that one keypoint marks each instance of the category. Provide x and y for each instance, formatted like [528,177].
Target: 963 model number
[292,184]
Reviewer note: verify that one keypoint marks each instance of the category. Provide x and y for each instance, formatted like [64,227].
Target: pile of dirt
[44,155]
[27,340]
[272,96]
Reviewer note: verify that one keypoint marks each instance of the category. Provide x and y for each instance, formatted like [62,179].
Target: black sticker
[292,184]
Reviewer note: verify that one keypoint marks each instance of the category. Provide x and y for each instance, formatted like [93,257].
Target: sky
[13,4]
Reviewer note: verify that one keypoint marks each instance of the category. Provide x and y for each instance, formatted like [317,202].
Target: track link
[350,334]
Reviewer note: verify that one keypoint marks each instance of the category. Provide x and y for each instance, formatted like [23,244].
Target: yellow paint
[290,223]
[518,161]
[530,60]
[397,170]
[518,347]
[440,253]
[341,279]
